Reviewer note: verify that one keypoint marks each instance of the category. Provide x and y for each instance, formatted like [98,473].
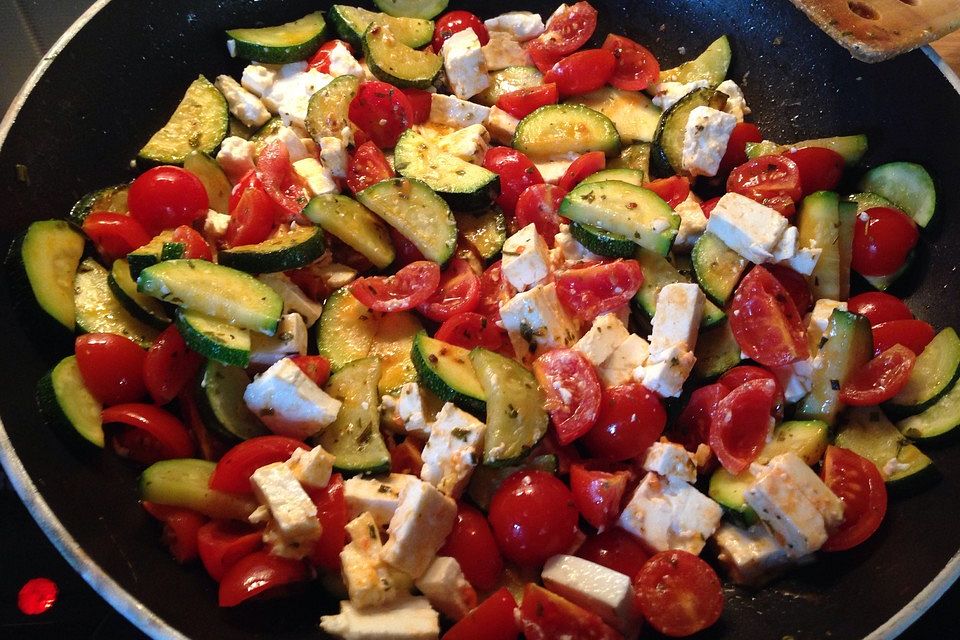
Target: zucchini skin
[445,390]
[272,256]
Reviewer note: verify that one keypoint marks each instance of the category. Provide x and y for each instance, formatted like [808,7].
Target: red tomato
[166,197]
[332,513]
[533,517]
[615,549]
[590,290]
[546,616]
[114,234]
[248,181]
[913,334]
[881,379]
[770,180]
[169,365]
[458,292]
[566,31]
[195,247]
[740,375]
[882,243]
[321,59]
[631,419]
[765,322]
[406,457]
[469,330]
[736,153]
[598,493]
[581,72]
[382,111]
[678,593]
[523,102]
[180,530]
[237,465]
[407,288]
[795,284]
[494,290]
[859,485]
[281,182]
[693,424]
[586,165]
[367,166]
[251,221]
[539,204]
[708,205]
[317,368]
[407,252]
[879,307]
[111,366]
[154,434]
[474,547]
[222,543]
[820,168]
[420,102]
[455,22]
[636,68]
[258,572]
[516,173]
[741,422]
[572,389]
[493,619]
[672,190]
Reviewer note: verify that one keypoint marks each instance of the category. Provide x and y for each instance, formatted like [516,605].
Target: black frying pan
[119,78]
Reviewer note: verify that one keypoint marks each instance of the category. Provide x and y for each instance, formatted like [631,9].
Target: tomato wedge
[820,168]
[586,165]
[367,166]
[913,334]
[523,102]
[615,549]
[572,389]
[882,241]
[469,330]
[539,204]
[741,422]
[795,284]
[672,190]
[597,493]
[472,543]
[233,472]
[317,368]
[420,101]
[252,219]
[881,379]
[411,286]
[493,619]
[281,182]
[567,30]
[740,375]
[770,180]
[195,246]
[736,153]
[458,292]
[590,290]
[169,365]
[258,572]
[636,68]
[111,366]
[221,543]
[332,513]
[678,593]
[181,529]
[494,290]
[765,322]
[581,72]
[154,434]
[546,616]
[859,485]
[692,427]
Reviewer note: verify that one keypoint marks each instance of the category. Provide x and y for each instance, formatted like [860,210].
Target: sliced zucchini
[882,283]
[847,218]
[818,221]
[291,250]
[394,62]
[867,200]
[907,185]
[185,483]
[238,129]
[658,273]
[717,351]
[346,329]
[328,109]
[151,253]
[717,267]
[423,9]
[508,80]
[806,438]
[602,242]
[297,40]
[214,180]
[419,214]
[666,156]
[392,345]
[516,418]
[728,489]
[626,209]
[221,402]
[938,420]
[485,232]
[634,115]
[868,433]
[262,135]
[711,65]
[448,372]
[851,148]
[636,156]
[213,338]
[142,307]
[99,311]
[354,437]
[112,199]
[65,401]
[199,123]
[563,129]
[486,480]
[351,23]
[353,223]
[630,176]
[934,374]
[212,289]
[49,254]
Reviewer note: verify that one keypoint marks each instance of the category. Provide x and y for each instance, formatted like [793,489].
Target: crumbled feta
[232,48]
[535,321]
[795,379]
[620,366]
[333,156]
[666,94]
[379,496]
[403,619]
[464,64]
[318,178]
[289,402]
[457,113]
[552,170]
[670,514]
[503,50]
[245,106]
[787,247]
[215,226]
[292,513]
[342,62]
[750,556]
[294,299]
[312,467]
[671,461]
[692,224]
[447,589]
[453,450]
[892,467]
[805,260]
[369,580]
[423,520]
[469,144]
[705,140]
[666,374]
[292,141]
[411,410]
[258,78]
[289,340]
[501,125]
[289,95]
[521,25]
[235,157]
[751,229]
[526,258]
[594,587]
[676,322]
[604,336]
[736,104]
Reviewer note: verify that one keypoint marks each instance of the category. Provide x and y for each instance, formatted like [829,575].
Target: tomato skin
[566,32]
[382,111]
[741,374]
[615,549]
[545,615]
[473,545]
[883,242]
[636,67]
[493,619]
[539,204]
[516,171]
[494,290]
[458,292]
[631,419]
[693,424]
[169,365]
[234,469]
[114,234]
[196,248]
[455,22]
[281,183]
[367,166]
[420,102]
[765,322]
[913,334]
[406,457]
[180,530]
[859,485]
[736,153]
[581,72]
[317,368]
[111,366]
[221,543]
[770,180]
[166,197]
[321,59]
[584,166]
[678,593]
[879,307]
[598,493]
[407,288]
[251,221]
[880,379]
[533,517]
[708,205]
[523,102]
[795,284]
[166,435]
[593,289]
[258,572]
[820,168]
[469,330]
[741,422]
[569,370]
[332,513]
[672,190]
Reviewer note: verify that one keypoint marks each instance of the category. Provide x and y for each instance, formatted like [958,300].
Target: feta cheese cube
[445,586]
[291,510]
[666,94]
[594,587]
[521,25]
[820,317]
[369,580]
[403,619]
[503,50]
[620,366]
[422,522]
[464,64]
[787,247]
[215,226]
[235,157]
[751,229]
[666,374]
[791,468]
[526,258]
[606,334]
[805,260]
[692,224]
[289,95]
[457,113]
[291,140]
[736,104]
[453,450]
[795,379]
[318,178]
[469,144]
[313,467]
[501,125]
[750,556]
[535,321]
[676,322]
[258,78]
[245,106]
[342,62]
[411,410]
[705,140]
[289,340]
[333,156]
[294,299]
[671,461]
[793,519]
[567,250]
[670,514]
[289,402]
[378,496]
[552,170]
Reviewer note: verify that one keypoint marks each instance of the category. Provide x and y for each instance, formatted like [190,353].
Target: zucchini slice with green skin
[938,420]
[852,148]
[212,289]
[486,480]
[351,23]
[448,372]
[907,185]
[868,433]
[423,9]
[262,135]
[99,311]
[636,156]
[658,273]
[604,243]
[711,65]
[934,374]
[65,401]
[172,251]
[846,346]
[516,419]
[354,437]
[152,253]
[112,199]
[328,109]
[280,44]
[564,129]
[818,221]
[728,489]
[140,306]
[867,200]
[392,346]
[420,215]
[394,62]
[625,209]
[185,483]
[847,218]
[49,253]
[199,123]
[717,351]
[717,268]
[506,81]
[466,187]
[213,338]
[630,176]
[353,223]
[806,438]
[346,329]
[291,250]
[221,404]
[882,283]
[666,157]
[214,180]
[486,232]
[632,113]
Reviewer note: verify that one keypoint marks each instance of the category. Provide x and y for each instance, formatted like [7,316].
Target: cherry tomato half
[284,186]
[913,334]
[882,240]
[692,427]
[678,593]
[880,379]
[407,288]
[367,166]
[736,153]
[545,615]
[494,290]
[567,30]
[795,284]
[741,422]
[234,469]
[181,528]
[740,375]
[672,190]
[516,171]
[111,366]
[195,246]
[256,573]
[493,619]
[114,234]
[636,67]
[166,197]
[421,101]
[581,72]
[765,322]
[584,166]
[221,543]
[593,289]
[598,493]
[859,485]
[455,22]
[317,368]
[820,168]
[469,330]
[879,307]
[251,221]
[539,204]
[473,545]
[382,111]
[572,389]
[169,365]
[631,419]
[523,102]
[770,180]
[154,434]
[458,292]
[615,549]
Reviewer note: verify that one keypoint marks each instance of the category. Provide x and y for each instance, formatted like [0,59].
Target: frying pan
[117,76]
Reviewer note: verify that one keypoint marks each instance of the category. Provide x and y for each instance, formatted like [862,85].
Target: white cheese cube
[750,556]
[522,25]
[666,374]
[333,156]
[445,586]
[289,96]
[245,106]
[342,62]
[692,224]
[666,94]
[791,468]
[620,366]
[805,260]
[526,258]
[411,411]
[313,467]
[379,496]
[294,299]
[605,592]
[469,144]
[536,321]
[258,78]
[567,250]
[676,322]
[289,340]
[736,104]
[606,334]
[751,229]
[793,519]
[421,524]
[705,140]
[403,619]
[457,113]
[820,317]
[501,125]
[552,170]
[215,226]
[289,402]
[670,514]
[671,461]
[503,50]
[795,379]
[787,247]
[291,140]
[369,581]
[318,178]
[291,509]
[453,450]
[464,64]
[235,157]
